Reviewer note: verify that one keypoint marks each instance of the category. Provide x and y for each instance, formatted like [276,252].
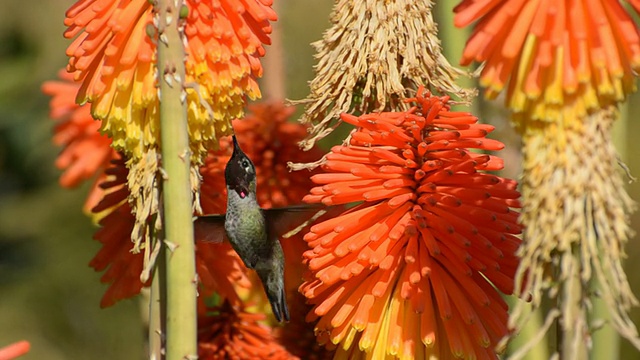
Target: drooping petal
[14,350]
[86,153]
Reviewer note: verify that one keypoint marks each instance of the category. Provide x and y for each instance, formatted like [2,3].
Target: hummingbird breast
[246,228]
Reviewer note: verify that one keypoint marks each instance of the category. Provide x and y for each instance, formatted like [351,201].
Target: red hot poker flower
[409,271]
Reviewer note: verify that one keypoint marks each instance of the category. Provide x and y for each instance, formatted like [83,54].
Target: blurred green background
[48,293]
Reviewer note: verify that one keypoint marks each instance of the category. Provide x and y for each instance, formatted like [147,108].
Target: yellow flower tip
[429,340]
[420,234]
[349,338]
[547,62]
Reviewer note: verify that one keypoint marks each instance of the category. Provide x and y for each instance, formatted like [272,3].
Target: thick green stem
[572,329]
[158,310]
[606,341]
[181,333]
[532,337]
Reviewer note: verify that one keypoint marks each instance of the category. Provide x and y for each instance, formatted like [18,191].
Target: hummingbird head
[240,174]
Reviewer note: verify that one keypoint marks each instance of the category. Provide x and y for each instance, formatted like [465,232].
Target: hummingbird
[252,231]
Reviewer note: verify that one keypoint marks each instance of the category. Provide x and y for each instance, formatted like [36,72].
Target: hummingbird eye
[245,163]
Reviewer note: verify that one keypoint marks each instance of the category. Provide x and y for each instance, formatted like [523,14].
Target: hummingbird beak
[235,175]
[236,146]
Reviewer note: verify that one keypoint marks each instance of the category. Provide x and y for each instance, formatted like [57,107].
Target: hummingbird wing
[210,228]
[288,221]
[282,222]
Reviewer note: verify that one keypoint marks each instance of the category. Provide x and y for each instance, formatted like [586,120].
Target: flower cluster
[410,270]
[561,56]
[113,56]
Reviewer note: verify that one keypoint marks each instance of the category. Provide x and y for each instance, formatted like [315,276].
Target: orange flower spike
[113,56]
[552,53]
[428,222]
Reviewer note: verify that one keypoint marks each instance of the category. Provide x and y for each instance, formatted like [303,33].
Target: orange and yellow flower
[113,56]
[562,56]
[410,271]
[568,65]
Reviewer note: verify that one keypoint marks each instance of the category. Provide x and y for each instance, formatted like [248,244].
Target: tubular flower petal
[86,152]
[371,53]
[566,57]
[14,350]
[408,272]
[225,332]
[113,56]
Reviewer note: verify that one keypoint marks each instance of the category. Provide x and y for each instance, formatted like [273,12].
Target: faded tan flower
[371,54]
